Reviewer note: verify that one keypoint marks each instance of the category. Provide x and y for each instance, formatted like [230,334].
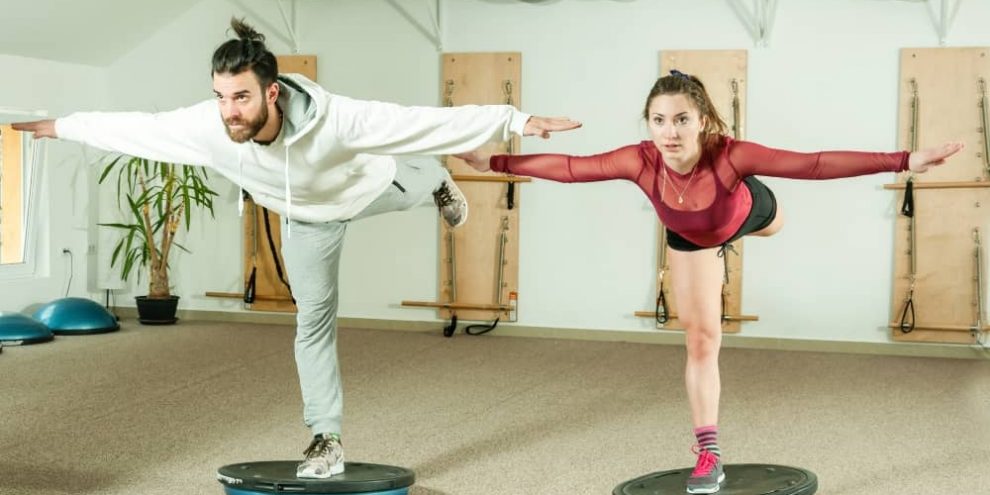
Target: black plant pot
[157,311]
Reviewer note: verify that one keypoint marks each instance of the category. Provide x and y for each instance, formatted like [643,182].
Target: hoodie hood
[303,104]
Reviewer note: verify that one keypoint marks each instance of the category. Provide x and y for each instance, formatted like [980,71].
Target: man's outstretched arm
[543,126]
[387,128]
[39,128]
[178,136]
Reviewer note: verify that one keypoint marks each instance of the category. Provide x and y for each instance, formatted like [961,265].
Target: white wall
[827,80]
[171,69]
[66,193]
[364,49]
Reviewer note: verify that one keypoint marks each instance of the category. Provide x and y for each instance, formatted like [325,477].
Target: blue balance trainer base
[75,315]
[255,478]
[740,479]
[16,329]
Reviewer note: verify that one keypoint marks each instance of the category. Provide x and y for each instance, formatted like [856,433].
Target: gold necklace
[680,195]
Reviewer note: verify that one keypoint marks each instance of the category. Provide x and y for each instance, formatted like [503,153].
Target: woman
[702,185]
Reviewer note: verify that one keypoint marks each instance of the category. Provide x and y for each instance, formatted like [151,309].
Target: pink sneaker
[707,476]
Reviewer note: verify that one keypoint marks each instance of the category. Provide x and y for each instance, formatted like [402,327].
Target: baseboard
[954,351]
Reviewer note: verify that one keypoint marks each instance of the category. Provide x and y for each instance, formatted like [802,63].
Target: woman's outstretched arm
[622,163]
[754,159]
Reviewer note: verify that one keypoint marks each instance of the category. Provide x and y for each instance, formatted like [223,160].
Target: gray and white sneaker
[324,457]
[451,202]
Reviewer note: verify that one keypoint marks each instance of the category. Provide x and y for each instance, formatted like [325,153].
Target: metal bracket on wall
[290,36]
[942,16]
[947,10]
[290,25]
[757,20]
[433,32]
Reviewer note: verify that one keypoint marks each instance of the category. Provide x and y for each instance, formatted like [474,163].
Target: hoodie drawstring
[240,182]
[288,197]
[288,190]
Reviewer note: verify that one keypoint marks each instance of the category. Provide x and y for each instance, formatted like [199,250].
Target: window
[11,197]
[19,181]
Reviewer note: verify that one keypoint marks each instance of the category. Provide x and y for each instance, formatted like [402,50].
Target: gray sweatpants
[312,263]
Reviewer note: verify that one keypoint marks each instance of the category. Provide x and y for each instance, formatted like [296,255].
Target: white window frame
[33,157]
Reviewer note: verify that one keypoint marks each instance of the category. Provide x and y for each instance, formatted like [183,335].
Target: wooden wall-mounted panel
[298,64]
[723,72]
[258,257]
[943,98]
[480,79]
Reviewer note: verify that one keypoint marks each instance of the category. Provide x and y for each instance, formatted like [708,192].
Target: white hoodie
[327,162]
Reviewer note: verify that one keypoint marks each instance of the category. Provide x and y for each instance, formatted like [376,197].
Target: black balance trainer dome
[75,315]
[16,328]
[253,478]
[740,479]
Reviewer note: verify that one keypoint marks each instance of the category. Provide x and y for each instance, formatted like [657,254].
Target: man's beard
[251,129]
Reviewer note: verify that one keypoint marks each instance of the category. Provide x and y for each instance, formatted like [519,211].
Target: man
[318,159]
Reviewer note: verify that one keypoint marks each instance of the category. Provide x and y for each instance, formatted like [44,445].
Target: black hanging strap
[452,327]
[907,316]
[271,245]
[907,208]
[663,312]
[481,328]
[251,286]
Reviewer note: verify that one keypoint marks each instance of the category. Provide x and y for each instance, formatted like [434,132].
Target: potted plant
[160,197]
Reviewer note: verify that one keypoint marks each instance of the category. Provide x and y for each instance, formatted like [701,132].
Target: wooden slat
[941,327]
[237,295]
[456,305]
[673,316]
[940,185]
[490,178]
[935,336]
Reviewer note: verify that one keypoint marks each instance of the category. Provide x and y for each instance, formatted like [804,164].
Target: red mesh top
[713,207]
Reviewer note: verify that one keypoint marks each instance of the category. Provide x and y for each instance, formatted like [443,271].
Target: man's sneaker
[452,203]
[324,457]
[707,476]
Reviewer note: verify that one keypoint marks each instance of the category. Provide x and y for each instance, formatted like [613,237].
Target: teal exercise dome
[16,329]
[76,315]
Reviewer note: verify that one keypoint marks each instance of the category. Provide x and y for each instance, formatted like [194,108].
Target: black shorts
[760,217]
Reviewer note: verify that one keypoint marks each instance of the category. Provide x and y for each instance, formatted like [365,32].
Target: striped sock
[708,439]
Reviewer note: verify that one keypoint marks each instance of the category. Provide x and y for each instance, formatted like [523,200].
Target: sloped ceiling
[91,32]
[97,32]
